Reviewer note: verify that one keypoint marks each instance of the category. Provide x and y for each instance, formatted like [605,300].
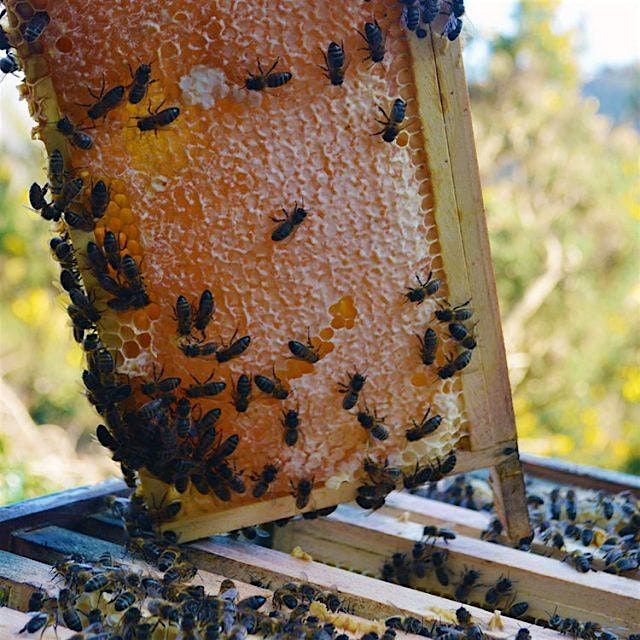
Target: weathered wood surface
[369,599]
[63,508]
[363,543]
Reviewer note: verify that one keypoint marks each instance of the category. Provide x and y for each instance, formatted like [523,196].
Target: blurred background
[555,88]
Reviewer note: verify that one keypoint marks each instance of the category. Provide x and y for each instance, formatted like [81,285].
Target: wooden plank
[368,596]
[508,483]
[12,621]
[449,237]
[235,517]
[50,544]
[63,508]
[20,577]
[54,542]
[411,508]
[580,475]
[364,543]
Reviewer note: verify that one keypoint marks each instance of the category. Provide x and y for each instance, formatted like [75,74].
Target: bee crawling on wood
[392,123]
[267,79]
[424,289]
[302,491]
[462,335]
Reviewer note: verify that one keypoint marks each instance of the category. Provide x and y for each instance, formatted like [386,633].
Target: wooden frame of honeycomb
[223,170]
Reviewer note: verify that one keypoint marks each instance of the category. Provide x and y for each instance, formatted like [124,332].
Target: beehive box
[204,203]
[38,534]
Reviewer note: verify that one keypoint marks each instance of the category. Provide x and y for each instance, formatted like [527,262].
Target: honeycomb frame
[442,163]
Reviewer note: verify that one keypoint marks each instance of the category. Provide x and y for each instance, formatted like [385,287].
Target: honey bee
[104,102]
[241,393]
[124,600]
[502,588]
[9,64]
[198,349]
[76,136]
[291,423]
[439,559]
[375,41]
[428,346]
[302,492]
[372,423]
[141,79]
[112,249]
[234,349]
[205,389]
[289,224]
[37,200]
[271,387]
[392,123]
[262,80]
[411,16]
[159,384]
[460,313]
[351,389]
[336,63]
[205,311]
[157,119]
[182,314]
[571,506]
[35,26]
[579,560]
[457,364]
[460,333]
[452,28]
[306,352]
[424,427]
[517,610]
[424,289]
[264,479]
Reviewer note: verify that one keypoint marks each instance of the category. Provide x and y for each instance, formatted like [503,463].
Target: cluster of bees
[428,558]
[417,14]
[604,528]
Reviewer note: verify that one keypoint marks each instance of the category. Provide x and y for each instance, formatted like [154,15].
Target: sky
[608,30]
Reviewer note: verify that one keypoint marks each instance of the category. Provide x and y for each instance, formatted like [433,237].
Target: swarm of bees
[589,530]
[168,433]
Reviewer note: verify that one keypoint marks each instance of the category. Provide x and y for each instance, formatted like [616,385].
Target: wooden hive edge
[365,543]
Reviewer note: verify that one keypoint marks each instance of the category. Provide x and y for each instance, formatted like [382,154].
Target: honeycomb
[193,202]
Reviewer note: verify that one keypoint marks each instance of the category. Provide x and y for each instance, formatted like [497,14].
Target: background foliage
[562,196]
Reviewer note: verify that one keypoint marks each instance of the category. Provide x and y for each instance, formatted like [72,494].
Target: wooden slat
[12,621]
[364,543]
[580,475]
[61,508]
[412,508]
[21,577]
[49,544]
[508,483]
[366,597]
[369,597]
